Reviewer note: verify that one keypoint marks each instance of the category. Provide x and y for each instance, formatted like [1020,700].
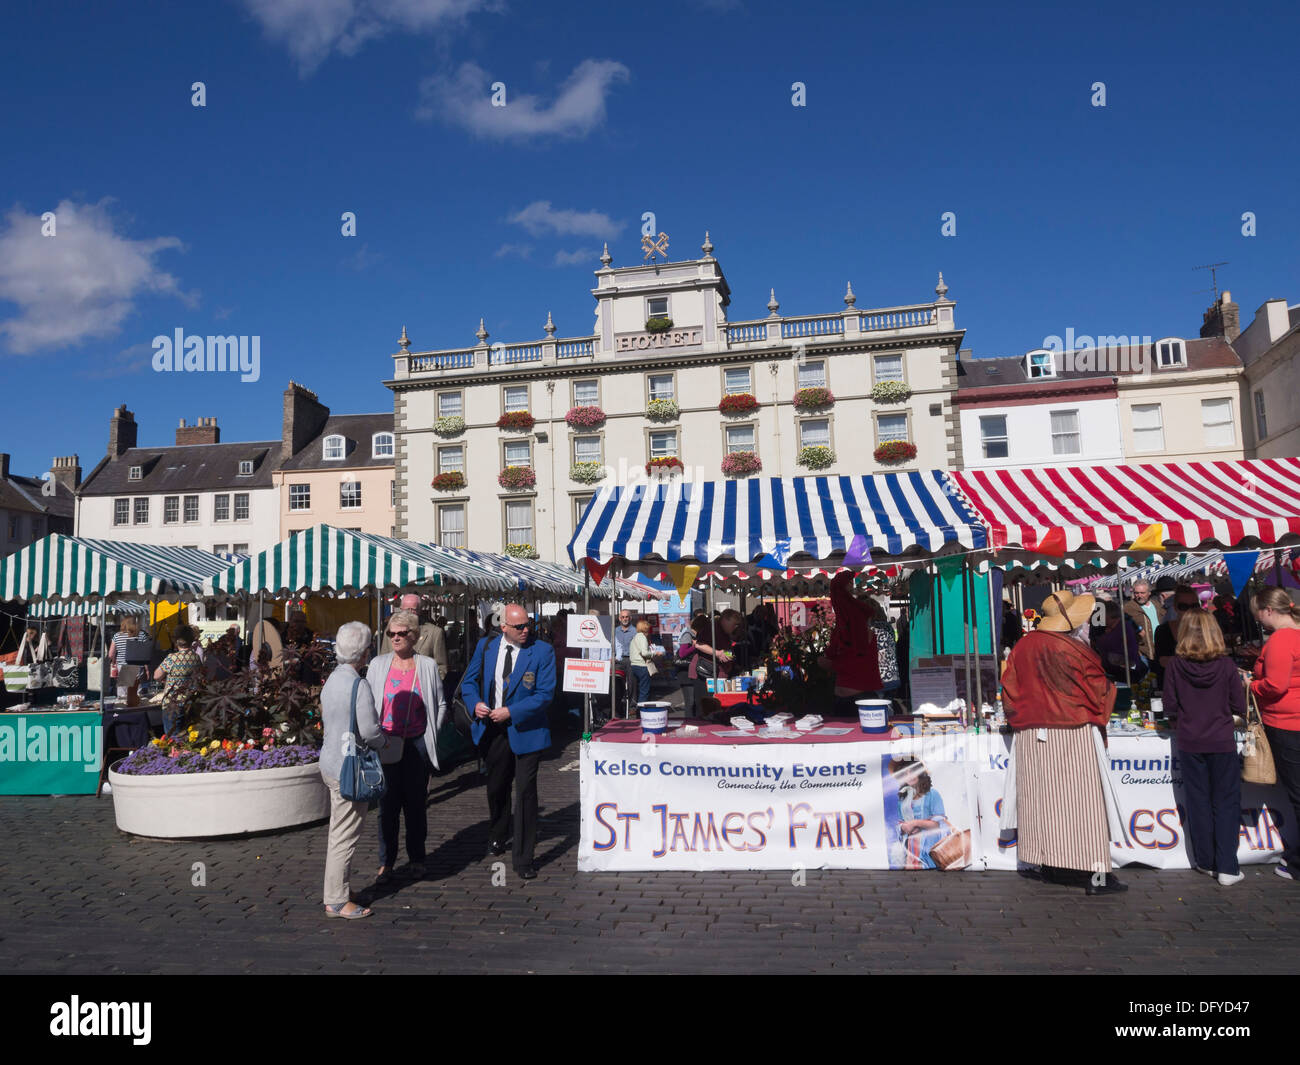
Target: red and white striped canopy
[1212,504]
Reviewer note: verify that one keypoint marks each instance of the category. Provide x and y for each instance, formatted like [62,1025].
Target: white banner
[902,804]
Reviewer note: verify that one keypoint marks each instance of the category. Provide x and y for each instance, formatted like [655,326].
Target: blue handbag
[361,778]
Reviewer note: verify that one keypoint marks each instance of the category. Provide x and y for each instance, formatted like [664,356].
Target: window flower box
[815,457]
[518,420]
[739,403]
[741,464]
[587,472]
[890,391]
[658,325]
[517,477]
[895,451]
[521,551]
[585,418]
[450,425]
[663,410]
[813,398]
[665,465]
[449,482]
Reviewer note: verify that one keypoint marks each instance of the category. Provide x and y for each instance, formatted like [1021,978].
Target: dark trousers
[505,768]
[1212,794]
[1285,744]
[406,792]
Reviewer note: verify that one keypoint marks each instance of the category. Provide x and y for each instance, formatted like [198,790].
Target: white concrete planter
[200,805]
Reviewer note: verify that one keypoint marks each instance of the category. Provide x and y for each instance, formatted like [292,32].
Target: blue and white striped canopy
[739,521]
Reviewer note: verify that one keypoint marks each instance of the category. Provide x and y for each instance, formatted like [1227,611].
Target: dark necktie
[505,675]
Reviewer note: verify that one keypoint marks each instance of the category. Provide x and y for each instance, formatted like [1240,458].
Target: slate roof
[24,493]
[358,431]
[188,468]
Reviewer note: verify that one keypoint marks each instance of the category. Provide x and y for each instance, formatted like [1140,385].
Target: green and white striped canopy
[67,567]
[323,558]
[71,608]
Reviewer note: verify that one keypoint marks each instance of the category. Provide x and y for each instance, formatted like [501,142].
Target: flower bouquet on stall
[797,678]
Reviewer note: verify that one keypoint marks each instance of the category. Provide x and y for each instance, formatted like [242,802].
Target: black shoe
[497,849]
[527,873]
[1108,886]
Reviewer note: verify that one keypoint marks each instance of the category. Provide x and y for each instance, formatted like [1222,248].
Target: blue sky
[226,219]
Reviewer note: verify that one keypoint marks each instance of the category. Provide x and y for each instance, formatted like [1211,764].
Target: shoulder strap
[355,685]
[482,640]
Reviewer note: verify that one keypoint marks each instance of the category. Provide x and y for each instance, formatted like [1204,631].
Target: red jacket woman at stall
[1276,687]
[852,652]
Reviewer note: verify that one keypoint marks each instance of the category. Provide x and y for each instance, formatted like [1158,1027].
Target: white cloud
[465,99]
[571,258]
[539,218]
[521,250]
[312,29]
[81,283]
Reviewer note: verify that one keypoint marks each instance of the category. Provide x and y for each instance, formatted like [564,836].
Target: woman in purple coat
[1202,691]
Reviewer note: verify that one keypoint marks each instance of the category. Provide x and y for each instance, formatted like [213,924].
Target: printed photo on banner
[918,832]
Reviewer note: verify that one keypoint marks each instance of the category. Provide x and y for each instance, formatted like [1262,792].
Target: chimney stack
[67,471]
[203,431]
[304,418]
[121,432]
[4,466]
[1222,319]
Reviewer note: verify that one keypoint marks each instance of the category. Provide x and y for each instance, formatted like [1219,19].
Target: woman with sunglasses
[408,692]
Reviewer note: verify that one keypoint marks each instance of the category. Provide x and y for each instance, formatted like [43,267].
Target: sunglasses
[403,633]
[525,625]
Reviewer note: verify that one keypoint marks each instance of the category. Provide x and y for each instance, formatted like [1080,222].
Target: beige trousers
[346,818]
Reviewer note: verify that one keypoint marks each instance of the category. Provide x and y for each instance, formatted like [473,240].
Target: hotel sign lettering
[674,338]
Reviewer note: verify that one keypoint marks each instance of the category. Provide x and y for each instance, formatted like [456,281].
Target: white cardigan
[435,702]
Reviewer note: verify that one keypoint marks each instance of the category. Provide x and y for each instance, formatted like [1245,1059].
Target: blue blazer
[528,693]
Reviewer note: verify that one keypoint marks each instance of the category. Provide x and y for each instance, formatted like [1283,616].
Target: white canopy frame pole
[586,696]
[995,637]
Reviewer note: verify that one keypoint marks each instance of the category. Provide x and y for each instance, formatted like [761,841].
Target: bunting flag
[1152,539]
[777,557]
[596,569]
[1053,544]
[683,576]
[858,554]
[1240,569]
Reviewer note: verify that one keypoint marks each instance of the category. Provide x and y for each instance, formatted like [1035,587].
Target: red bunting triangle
[596,569]
[1052,544]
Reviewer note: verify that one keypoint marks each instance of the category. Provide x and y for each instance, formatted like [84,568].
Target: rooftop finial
[941,290]
[550,325]
[772,305]
[481,332]
[849,298]
[707,246]
[405,342]
[605,257]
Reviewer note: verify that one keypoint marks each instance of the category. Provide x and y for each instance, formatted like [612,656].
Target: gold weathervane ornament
[653,246]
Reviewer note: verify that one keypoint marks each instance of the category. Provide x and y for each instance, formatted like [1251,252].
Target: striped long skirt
[1060,810]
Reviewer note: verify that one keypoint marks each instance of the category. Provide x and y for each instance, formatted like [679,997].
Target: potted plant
[517,477]
[658,325]
[662,410]
[741,464]
[890,391]
[738,403]
[449,482]
[585,417]
[521,551]
[517,420]
[587,472]
[243,759]
[813,398]
[664,465]
[895,451]
[449,425]
[815,457]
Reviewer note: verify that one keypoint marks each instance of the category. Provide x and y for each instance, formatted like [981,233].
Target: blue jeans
[641,675]
[407,791]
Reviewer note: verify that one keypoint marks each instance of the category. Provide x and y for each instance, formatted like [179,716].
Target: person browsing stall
[181,670]
[1276,687]
[640,657]
[510,683]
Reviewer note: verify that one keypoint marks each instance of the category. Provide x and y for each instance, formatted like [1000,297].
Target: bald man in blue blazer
[508,687]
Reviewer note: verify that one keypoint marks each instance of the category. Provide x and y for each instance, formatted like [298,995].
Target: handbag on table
[361,777]
[65,669]
[1257,758]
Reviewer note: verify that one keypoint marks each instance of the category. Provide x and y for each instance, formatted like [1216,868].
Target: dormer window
[381,446]
[246,468]
[1039,364]
[135,473]
[332,450]
[1171,353]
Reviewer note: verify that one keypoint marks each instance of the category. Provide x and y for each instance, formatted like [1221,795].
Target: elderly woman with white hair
[345,684]
[407,692]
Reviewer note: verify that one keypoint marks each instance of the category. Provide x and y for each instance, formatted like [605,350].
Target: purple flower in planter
[154,761]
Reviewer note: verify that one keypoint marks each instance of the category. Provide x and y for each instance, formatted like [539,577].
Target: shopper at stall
[406,689]
[1202,691]
[1165,643]
[1139,610]
[351,648]
[509,684]
[624,633]
[853,652]
[180,670]
[127,643]
[711,656]
[1058,700]
[1276,687]
[1121,663]
[640,659]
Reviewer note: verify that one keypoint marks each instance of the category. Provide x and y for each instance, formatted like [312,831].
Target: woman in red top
[1276,687]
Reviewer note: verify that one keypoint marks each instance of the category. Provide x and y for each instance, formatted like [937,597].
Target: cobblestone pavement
[81,897]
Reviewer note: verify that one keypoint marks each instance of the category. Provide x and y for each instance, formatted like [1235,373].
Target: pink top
[404,712]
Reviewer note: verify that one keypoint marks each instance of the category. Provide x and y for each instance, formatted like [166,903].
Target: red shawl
[1054,681]
[852,648]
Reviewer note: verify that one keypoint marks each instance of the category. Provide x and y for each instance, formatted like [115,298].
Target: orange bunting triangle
[1152,539]
[1052,544]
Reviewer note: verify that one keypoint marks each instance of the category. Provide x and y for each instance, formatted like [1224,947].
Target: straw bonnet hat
[1065,611]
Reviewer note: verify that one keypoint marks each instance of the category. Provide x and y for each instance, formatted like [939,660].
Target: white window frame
[135,473]
[675,453]
[877,377]
[349,500]
[1177,353]
[376,444]
[245,467]
[172,507]
[442,531]
[235,506]
[220,549]
[800,367]
[802,428]
[331,442]
[185,510]
[136,519]
[449,449]
[1218,402]
[600,447]
[460,402]
[668,307]
[1077,432]
[907,427]
[728,448]
[1158,428]
[650,387]
[506,408]
[506,445]
[121,512]
[987,438]
[748,371]
[580,503]
[1040,364]
[240,549]
[304,497]
[217,501]
[531,538]
[595,402]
